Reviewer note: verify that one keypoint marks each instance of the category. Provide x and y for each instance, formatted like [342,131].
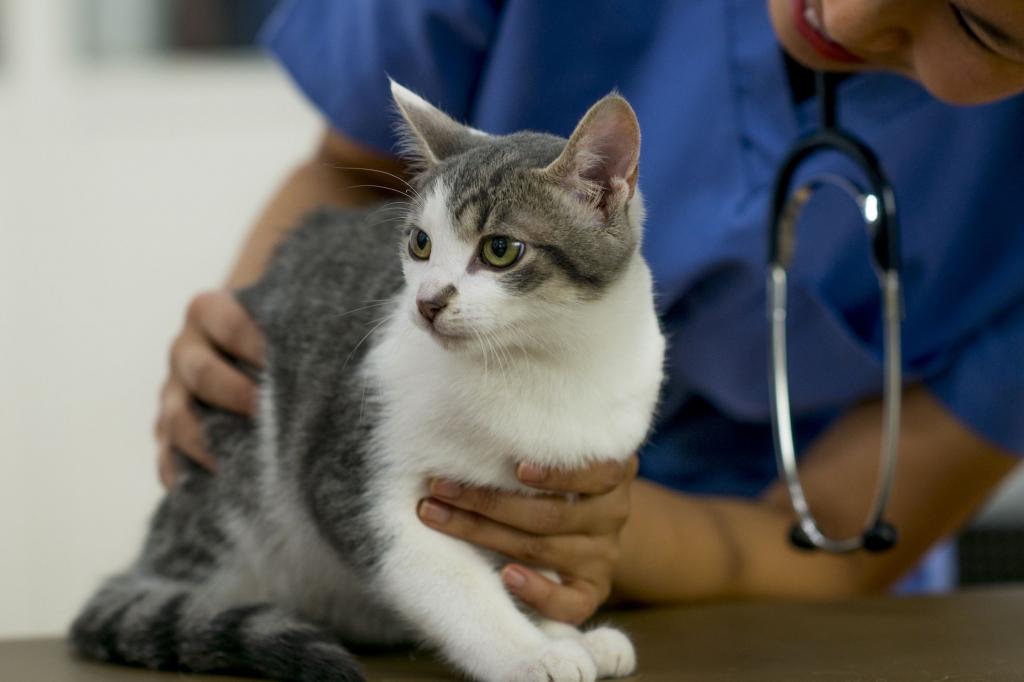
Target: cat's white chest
[432,425]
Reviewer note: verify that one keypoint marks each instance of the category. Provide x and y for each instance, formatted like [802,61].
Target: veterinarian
[721,90]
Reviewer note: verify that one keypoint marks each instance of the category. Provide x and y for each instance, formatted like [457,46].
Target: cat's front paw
[612,651]
[561,660]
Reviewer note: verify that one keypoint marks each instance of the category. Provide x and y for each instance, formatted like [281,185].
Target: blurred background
[138,140]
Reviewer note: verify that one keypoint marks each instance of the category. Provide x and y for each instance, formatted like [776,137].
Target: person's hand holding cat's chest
[574,532]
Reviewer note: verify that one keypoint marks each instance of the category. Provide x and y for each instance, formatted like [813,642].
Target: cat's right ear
[430,135]
[600,161]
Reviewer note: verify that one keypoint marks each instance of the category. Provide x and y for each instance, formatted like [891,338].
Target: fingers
[572,602]
[597,479]
[179,428]
[216,321]
[216,325]
[209,377]
[540,514]
[165,465]
[222,319]
[559,552]
[575,535]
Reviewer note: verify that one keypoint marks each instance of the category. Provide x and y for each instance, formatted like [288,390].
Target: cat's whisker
[399,192]
[489,348]
[498,357]
[374,328]
[397,206]
[495,355]
[499,352]
[394,209]
[483,347]
[397,213]
[393,214]
[507,351]
[372,304]
[377,170]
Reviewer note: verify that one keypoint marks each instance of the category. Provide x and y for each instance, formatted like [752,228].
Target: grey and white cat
[516,323]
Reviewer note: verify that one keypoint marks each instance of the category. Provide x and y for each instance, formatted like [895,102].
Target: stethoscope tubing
[877,206]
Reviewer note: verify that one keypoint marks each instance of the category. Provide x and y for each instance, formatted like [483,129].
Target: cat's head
[511,236]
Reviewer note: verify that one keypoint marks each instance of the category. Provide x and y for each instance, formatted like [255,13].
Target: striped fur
[163,625]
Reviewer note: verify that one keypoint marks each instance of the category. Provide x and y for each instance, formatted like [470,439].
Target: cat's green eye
[501,252]
[419,245]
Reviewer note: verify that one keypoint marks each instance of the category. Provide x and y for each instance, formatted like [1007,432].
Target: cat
[515,323]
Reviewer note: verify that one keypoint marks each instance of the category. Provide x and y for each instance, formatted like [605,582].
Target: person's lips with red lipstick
[807,18]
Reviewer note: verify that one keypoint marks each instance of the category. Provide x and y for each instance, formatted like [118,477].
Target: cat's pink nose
[429,308]
[432,301]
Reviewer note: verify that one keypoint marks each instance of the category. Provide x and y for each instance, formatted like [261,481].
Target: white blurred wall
[124,188]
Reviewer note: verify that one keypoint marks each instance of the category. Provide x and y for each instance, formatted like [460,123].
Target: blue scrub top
[709,85]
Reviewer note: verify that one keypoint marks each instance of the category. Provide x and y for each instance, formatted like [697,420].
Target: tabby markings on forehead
[477,195]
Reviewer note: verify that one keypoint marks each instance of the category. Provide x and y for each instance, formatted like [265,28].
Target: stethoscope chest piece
[877,206]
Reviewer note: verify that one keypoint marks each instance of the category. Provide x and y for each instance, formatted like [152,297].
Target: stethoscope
[877,207]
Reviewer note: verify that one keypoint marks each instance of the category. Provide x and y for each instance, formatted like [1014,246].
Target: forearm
[679,547]
[339,174]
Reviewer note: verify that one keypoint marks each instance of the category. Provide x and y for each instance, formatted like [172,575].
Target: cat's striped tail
[162,624]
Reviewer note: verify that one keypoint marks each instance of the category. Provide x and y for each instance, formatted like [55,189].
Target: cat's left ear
[601,159]
[433,136]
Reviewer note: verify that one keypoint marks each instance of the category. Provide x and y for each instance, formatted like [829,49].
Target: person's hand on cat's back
[577,537]
[216,328]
